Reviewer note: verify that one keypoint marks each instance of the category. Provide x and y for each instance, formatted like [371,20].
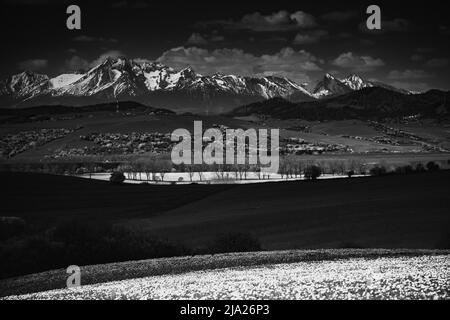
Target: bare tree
[199,168]
[341,167]
[191,171]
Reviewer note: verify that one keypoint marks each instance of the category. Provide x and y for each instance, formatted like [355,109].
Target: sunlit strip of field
[422,277]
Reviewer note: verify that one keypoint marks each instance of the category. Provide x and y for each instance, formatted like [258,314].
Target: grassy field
[410,211]
[107,122]
[418,278]
[394,211]
[51,199]
[389,212]
[330,132]
[95,274]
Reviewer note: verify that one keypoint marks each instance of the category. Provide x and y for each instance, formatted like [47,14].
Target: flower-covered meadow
[423,277]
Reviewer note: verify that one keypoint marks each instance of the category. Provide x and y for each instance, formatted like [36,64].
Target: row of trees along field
[156,169]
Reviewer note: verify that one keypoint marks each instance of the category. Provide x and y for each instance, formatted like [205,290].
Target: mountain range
[331,86]
[155,84]
[368,103]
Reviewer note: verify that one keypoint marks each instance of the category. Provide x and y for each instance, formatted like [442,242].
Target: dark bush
[432,166]
[34,254]
[90,243]
[350,173]
[378,171]
[312,172]
[117,178]
[420,168]
[234,242]
[404,170]
[82,244]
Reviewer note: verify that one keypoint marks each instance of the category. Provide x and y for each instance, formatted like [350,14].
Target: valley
[137,131]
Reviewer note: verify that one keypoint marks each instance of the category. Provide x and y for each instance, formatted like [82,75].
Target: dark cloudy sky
[298,39]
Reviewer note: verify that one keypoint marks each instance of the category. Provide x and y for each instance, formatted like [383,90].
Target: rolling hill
[390,212]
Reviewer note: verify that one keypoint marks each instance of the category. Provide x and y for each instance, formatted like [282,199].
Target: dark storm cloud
[425,50]
[203,39]
[33,64]
[437,63]
[357,63]
[310,37]
[340,16]
[86,38]
[416,57]
[277,21]
[196,39]
[389,26]
[78,63]
[408,74]
[262,38]
[290,63]
[411,86]
[139,4]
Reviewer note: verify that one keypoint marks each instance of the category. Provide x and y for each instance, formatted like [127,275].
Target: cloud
[339,16]
[196,39]
[108,54]
[310,37]
[303,19]
[344,35]
[33,64]
[367,42]
[416,57]
[277,21]
[286,63]
[437,63]
[142,60]
[354,62]
[396,25]
[408,74]
[274,38]
[388,26]
[425,50]
[85,38]
[76,63]
[411,86]
[217,38]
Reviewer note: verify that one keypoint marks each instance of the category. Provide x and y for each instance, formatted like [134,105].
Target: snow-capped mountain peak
[355,82]
[147,82]
[331,86]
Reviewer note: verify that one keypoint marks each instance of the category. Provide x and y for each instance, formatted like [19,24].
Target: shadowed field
[50,199]
[384,212]
[410,211]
